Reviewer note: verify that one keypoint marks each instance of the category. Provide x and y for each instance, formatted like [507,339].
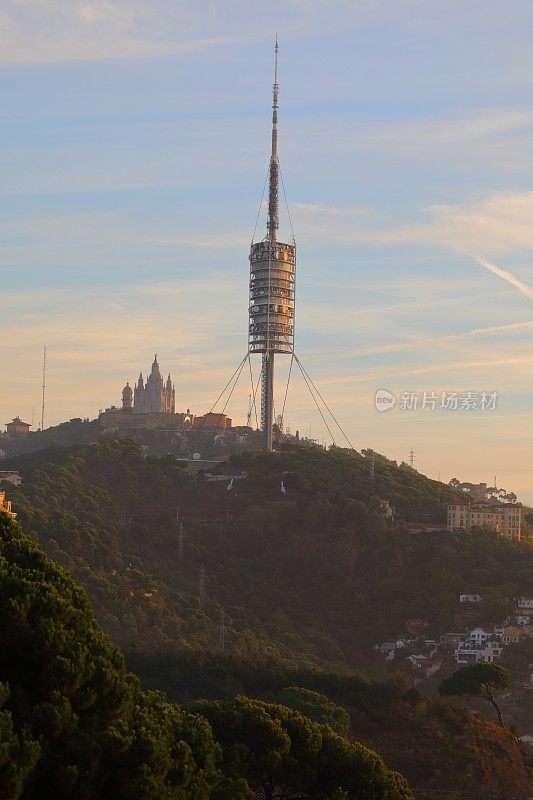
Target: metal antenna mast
[181,541]
[44,387]
[201,588]
[222,631]
[272,270]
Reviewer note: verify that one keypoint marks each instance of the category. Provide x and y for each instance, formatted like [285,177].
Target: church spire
[273,185]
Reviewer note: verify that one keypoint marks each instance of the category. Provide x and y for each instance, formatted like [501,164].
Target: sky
[134,143]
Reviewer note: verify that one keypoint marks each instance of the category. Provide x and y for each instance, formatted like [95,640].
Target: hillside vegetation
[308,581]
[315,574]
[75,724]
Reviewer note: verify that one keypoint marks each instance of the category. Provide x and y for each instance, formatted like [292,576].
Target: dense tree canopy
[284,755]
[74,721]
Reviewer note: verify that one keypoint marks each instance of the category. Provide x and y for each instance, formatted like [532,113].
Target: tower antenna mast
[44,387]
[272,273]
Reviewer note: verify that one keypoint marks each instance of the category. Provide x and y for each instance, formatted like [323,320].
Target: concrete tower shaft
[272,284]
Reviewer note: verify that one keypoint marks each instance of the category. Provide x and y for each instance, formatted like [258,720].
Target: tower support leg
[267,399]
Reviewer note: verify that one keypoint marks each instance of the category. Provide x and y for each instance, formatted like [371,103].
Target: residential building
[424,663]
[511,634]
[479,636]
[386,647]
[416,626]
[473,652]
[5,505]
[451,639]
[504,518]
[17,426]
[470,598]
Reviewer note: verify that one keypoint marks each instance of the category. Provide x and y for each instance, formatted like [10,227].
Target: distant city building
[153,397]
[17,426]
[5,505]
[505,518]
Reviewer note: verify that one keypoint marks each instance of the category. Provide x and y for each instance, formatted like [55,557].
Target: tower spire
[273,186]
[272,275]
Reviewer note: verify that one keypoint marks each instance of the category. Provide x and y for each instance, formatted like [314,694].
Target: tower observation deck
[272,286]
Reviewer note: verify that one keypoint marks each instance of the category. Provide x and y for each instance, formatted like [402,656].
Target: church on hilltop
[150,405]
[153,397]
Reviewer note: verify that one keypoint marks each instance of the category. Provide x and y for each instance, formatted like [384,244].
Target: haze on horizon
[135,140]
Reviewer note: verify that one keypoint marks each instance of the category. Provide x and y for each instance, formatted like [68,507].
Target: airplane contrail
[507,276]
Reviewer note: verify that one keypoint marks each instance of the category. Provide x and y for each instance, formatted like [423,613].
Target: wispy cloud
[437,341]
[509,277]
[497,223]
[34,31]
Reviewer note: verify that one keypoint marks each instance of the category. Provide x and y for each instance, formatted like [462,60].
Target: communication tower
[272,285]
[43,388]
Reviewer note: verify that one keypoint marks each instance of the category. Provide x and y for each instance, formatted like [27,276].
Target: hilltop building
[504,518]
[17,426]
[210,420]
[150,405]
[153,397]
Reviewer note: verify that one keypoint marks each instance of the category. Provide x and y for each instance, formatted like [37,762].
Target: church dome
[127,391]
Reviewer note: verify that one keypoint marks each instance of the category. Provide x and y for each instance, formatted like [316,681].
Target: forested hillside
[75,724]
[303,582]
[315,574]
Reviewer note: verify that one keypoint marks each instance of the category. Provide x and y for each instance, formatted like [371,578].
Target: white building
[386,647]
[479,636]
[470,598]
[504,518]
[471,652]
[10,475]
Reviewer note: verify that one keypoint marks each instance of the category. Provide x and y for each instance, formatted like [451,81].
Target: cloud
[34,31]
[499,223]
[509,277]
[437,341]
